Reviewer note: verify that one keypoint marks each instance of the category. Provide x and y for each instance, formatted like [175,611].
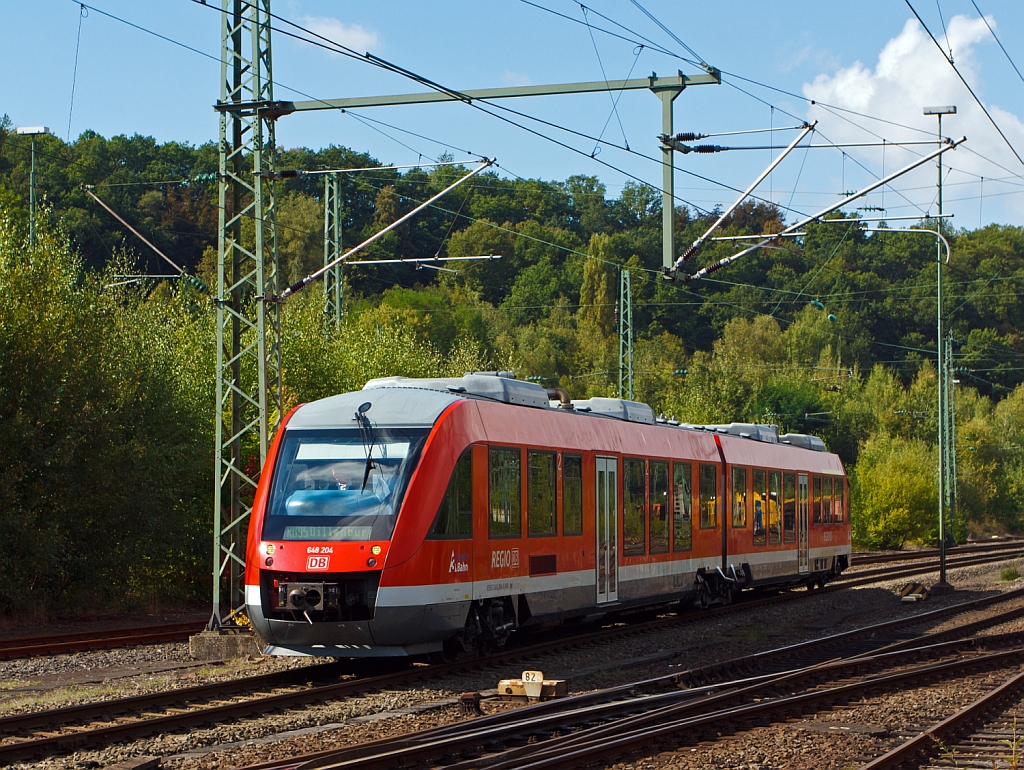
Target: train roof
[418,402]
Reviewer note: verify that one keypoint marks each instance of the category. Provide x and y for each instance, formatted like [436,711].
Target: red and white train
[427,515]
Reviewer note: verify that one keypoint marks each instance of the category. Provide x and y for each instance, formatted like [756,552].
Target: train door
[607,529]
[801,535]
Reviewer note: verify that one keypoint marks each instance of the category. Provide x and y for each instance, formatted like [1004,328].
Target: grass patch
[1009,573]
[14,684]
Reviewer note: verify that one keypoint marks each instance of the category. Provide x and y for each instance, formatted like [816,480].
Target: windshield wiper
[369,439]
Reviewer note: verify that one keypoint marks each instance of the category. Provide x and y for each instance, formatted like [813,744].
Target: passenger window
[774,506]
[572,495]
[541,517]
[739,498]
[837,515]
[634,535]
[455,517]
[659,507]
[682,504]
[708,496]
[504,493]
[826,500]
[816,500]
[760,506]
[789,509]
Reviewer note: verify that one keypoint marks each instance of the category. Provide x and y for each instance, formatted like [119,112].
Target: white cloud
[350,35]
[911,74]
[510,78]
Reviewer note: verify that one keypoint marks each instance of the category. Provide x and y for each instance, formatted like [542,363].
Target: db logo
[317,562]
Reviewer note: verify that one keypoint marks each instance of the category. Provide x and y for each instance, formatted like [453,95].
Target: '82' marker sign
[317,562]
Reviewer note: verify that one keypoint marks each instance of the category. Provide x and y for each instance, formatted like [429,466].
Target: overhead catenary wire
[1000,42]
[967,85]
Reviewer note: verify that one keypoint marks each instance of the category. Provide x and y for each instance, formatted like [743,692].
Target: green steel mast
[334,288]
[625,335]
[248,383]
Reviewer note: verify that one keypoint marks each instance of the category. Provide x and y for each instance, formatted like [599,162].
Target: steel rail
[698,679]
[924,744]
[599,743]
[635,717]
[257,705]
[76,636]
[586,709]
[29,646]
[882,558]
[873,576]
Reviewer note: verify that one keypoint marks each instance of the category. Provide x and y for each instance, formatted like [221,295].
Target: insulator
[688,253]
[689,136]
[706,148]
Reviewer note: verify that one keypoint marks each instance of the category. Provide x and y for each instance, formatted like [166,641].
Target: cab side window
[454,519]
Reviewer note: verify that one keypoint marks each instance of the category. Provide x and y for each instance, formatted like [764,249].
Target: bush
[894,493]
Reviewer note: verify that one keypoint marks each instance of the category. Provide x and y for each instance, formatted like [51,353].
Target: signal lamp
[375,550]
[371,562]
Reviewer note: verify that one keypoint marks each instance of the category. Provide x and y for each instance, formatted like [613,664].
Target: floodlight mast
[714,266]
[695,246]
[300,285]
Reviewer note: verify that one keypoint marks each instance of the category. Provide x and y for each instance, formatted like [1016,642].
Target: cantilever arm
[695,246]
[714,266]
[300,285]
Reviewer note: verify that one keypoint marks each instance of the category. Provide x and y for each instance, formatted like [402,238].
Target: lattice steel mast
[334,288]
[248,355]
[625,335]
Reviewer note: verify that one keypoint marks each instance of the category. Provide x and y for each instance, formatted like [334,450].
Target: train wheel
[703,596]
[726,594]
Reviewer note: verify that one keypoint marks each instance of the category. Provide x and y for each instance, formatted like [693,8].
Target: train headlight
[371,562]
[270,549]
[270,561]
[375,550]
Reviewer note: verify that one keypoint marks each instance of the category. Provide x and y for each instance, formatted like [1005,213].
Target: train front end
[323,521]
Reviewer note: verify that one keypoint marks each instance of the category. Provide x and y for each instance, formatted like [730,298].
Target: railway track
[860,559]
[867,576]
[984,734]
[652,714]
[31,646]
[58,731]
[25,647]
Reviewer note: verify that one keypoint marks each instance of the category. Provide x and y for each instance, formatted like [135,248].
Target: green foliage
[104,434]
[106,393]
[894,492]
[1009,574]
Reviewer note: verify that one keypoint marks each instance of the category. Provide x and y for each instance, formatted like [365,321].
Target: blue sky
[873,61]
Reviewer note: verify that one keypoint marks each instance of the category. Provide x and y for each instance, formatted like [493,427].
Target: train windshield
[340,484]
